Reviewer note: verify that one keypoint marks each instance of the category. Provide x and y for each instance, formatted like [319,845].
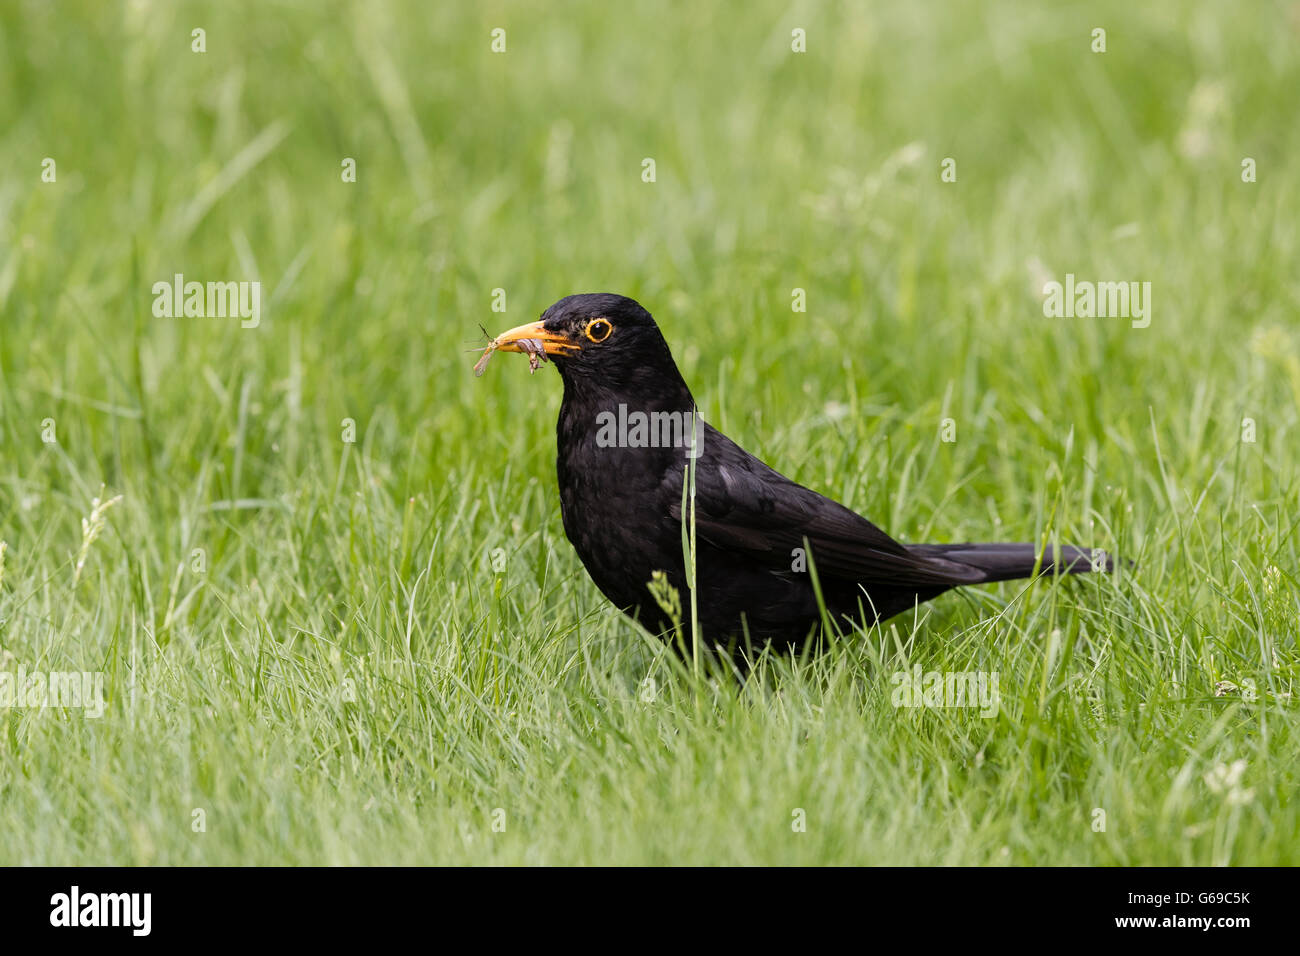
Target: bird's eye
[598,330]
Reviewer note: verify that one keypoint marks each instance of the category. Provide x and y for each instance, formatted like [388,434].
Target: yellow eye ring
[598,330]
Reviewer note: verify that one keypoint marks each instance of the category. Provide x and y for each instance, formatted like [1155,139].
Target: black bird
[623,442]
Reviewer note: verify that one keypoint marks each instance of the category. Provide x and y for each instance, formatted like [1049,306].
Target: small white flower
[1225,779]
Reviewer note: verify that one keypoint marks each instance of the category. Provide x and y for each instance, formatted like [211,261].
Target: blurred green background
[307,638]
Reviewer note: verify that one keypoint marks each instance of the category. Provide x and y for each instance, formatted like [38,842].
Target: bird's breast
[615,499]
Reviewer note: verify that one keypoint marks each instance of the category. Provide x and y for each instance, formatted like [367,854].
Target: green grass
[347,679]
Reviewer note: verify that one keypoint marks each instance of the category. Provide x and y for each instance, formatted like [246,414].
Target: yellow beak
[552,342]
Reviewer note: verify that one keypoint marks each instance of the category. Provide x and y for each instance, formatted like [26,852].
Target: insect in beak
[535,340]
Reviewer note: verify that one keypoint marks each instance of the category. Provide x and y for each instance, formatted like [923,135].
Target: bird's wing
[744,507]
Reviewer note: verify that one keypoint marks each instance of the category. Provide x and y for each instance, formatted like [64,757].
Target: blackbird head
[601,342]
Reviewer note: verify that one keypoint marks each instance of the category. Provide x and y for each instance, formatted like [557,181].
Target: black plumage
[621,501]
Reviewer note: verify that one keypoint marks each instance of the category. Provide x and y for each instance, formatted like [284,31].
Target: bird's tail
[1006,562]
